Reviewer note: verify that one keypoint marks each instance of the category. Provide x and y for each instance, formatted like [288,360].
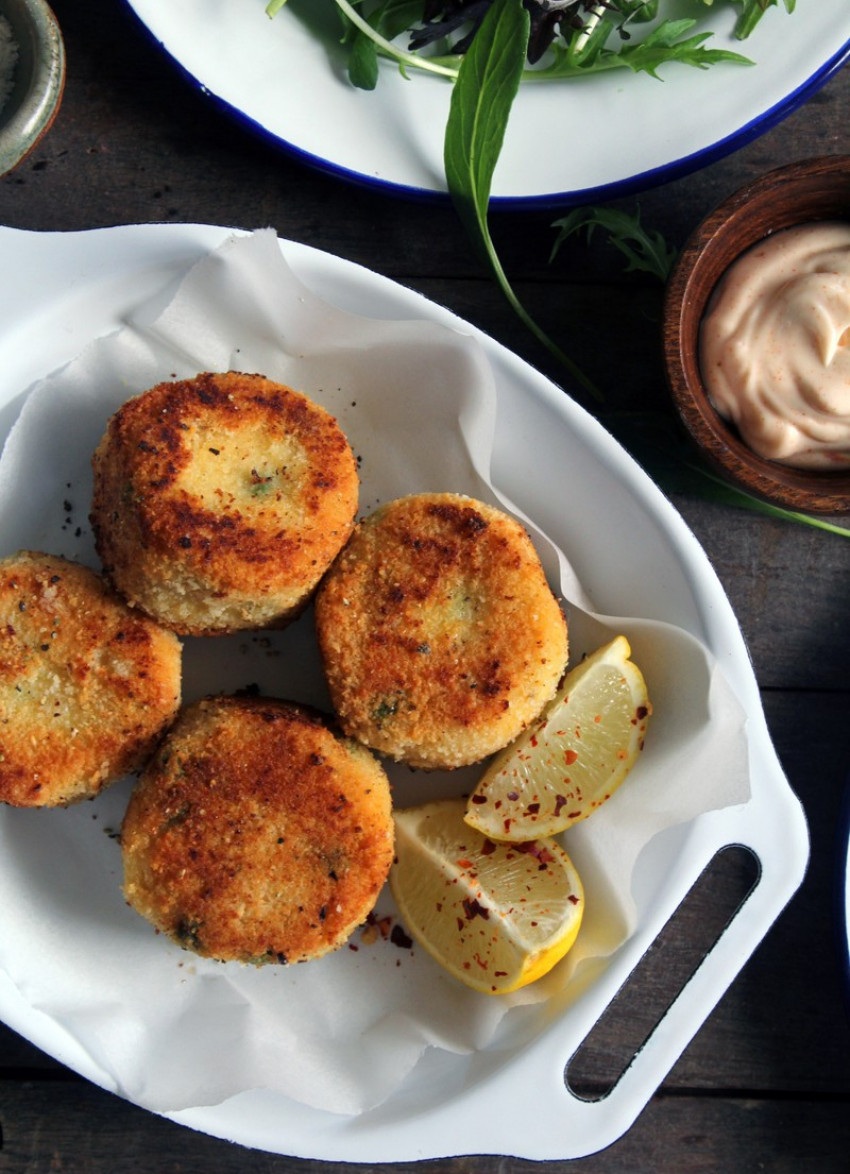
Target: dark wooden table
[765,1084]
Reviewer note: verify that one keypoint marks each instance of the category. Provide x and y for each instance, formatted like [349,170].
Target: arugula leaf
[482,98]
[362,60]
[358,24]
[753,11]
[668,42]
[388,20]
[644,249]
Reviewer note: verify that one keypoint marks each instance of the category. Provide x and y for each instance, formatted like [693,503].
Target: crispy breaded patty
[257,833]
[440,636]
[87,685]
[220,501]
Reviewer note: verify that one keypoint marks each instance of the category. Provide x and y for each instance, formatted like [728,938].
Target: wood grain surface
[765,1085]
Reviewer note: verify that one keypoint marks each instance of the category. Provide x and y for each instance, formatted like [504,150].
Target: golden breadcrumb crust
[257,833]
[87,685]
[440,636]
[220,501]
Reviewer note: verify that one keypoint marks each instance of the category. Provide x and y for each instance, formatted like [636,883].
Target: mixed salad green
[566,38]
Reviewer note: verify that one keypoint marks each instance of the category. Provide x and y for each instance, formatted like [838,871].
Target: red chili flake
[573,899]
[472,907]
[560,800]
[479,799]
[484,965]
[513,796]
[500,974]
[539,851]
[384,924]
[533,808]
[487,848]
[464,863]
[642,712]
[534,740]
[570,756]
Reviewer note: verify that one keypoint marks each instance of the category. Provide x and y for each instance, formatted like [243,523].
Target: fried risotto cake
[257,833]
[87,685]
[220,501]
[440,636]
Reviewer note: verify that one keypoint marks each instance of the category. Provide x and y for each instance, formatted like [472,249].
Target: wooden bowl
[815,189]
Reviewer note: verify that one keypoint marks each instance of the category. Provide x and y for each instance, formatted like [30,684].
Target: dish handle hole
[639,1006]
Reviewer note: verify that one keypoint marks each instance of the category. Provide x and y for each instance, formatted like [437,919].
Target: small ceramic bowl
[37,76]
[815,189]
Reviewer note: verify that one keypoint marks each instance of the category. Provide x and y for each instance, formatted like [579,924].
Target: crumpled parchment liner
[172,1031]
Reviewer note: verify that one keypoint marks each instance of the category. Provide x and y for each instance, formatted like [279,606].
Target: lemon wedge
[496,916]
[573,758]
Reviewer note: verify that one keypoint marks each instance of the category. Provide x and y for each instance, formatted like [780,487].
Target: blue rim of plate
[842,896]
[642,181]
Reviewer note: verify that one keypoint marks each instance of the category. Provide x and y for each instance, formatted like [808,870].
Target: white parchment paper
[417,401]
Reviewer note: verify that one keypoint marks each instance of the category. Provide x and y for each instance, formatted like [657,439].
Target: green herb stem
[481,103]
[539,333]
[412,60]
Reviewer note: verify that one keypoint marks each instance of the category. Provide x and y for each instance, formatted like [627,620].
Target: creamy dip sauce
[775,346]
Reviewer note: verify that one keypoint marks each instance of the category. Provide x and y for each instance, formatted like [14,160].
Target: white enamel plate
[566,142]
[73,288]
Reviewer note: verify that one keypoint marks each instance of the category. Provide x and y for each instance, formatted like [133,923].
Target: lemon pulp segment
[573,758]
[497,916]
